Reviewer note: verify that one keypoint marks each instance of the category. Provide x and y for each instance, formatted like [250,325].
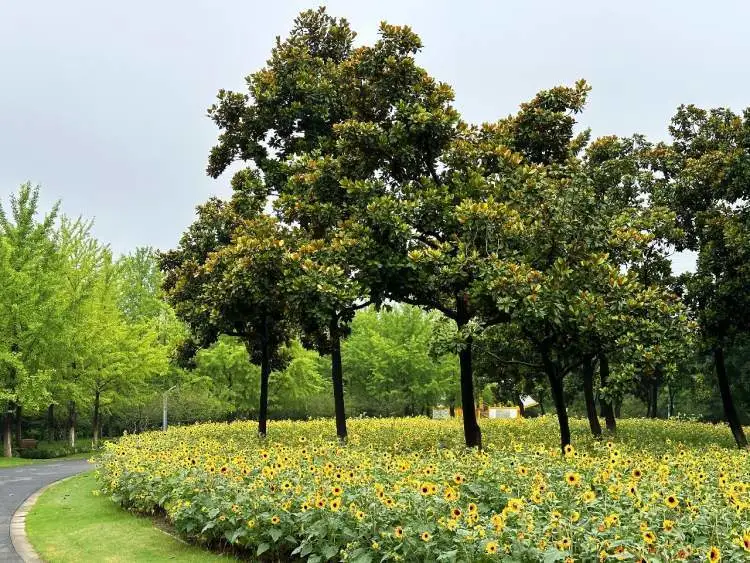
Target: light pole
[164,407]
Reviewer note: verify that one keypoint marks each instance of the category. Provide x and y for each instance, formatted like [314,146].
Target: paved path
[18,483]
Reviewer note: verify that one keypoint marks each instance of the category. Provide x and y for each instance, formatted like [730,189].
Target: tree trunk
[452,409]
[671,393]
[8,431]
[618,408]
[726,398]
[337,375]
[588,393]
[606,405]
[558,396]
[19,425]
[265,373]
[472,432]
[51,422]
[654,399]
[72,419]
[95,426]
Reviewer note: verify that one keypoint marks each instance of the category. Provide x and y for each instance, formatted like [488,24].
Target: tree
[238,286]
[30,315]
[392,368]
[705,175]
[549,255]
[300,126]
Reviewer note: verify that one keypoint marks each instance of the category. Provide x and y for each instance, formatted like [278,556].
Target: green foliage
[391,370]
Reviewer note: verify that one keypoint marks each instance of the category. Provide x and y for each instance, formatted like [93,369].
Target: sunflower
[337,491]
[514,504]
[746,541]
[275,520]
[569,450]
[649,537]
[458,479]
[491,547]
[359,515]
[589,496]
[425,536]
[714,554]
[667,525]
[456,513]
[636,473]
[572,479]
[472,508]
[398,531]
[671,501]
[335,504]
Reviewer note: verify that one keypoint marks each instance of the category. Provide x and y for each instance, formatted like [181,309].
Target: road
[19,483]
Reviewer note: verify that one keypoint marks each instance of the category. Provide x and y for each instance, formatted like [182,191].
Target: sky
[104,104]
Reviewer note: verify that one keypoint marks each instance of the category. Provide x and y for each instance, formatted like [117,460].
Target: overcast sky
[104,103]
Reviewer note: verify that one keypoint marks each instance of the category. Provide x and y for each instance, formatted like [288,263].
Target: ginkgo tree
[30,312]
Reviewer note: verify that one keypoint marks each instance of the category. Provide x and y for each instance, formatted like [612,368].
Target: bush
[53,450]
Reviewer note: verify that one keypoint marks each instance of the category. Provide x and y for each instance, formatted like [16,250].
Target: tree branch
[450,313]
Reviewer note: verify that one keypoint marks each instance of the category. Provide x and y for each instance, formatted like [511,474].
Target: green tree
[392,369]
[237,285]
[705,175]
[30,315]
[302,126]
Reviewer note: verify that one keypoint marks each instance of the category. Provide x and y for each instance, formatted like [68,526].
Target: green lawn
[69,523]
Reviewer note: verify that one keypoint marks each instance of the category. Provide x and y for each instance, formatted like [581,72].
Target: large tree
[301,126]
[30,312]
[705,178]
[232,274]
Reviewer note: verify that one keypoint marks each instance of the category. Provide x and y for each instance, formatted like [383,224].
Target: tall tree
[235,281]
[300,125]
[705,176]
[30,316]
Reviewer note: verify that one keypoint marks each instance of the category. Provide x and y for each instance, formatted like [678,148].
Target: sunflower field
[405,490]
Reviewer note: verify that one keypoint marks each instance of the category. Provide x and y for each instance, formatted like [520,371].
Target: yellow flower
[515,504]
[714,554]
[746,541]
[425,536]
[335,504]
[398,531]
[575,517]
[589,496]
[671,501]
[491,547]
[649,537]
[458,479]
[572,479]
[275,520]
[569,450]
[667,525]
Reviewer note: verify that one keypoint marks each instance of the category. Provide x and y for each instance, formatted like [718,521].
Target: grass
[18,461]
[70,524]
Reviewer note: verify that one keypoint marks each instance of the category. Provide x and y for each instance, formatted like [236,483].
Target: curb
[18,536]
